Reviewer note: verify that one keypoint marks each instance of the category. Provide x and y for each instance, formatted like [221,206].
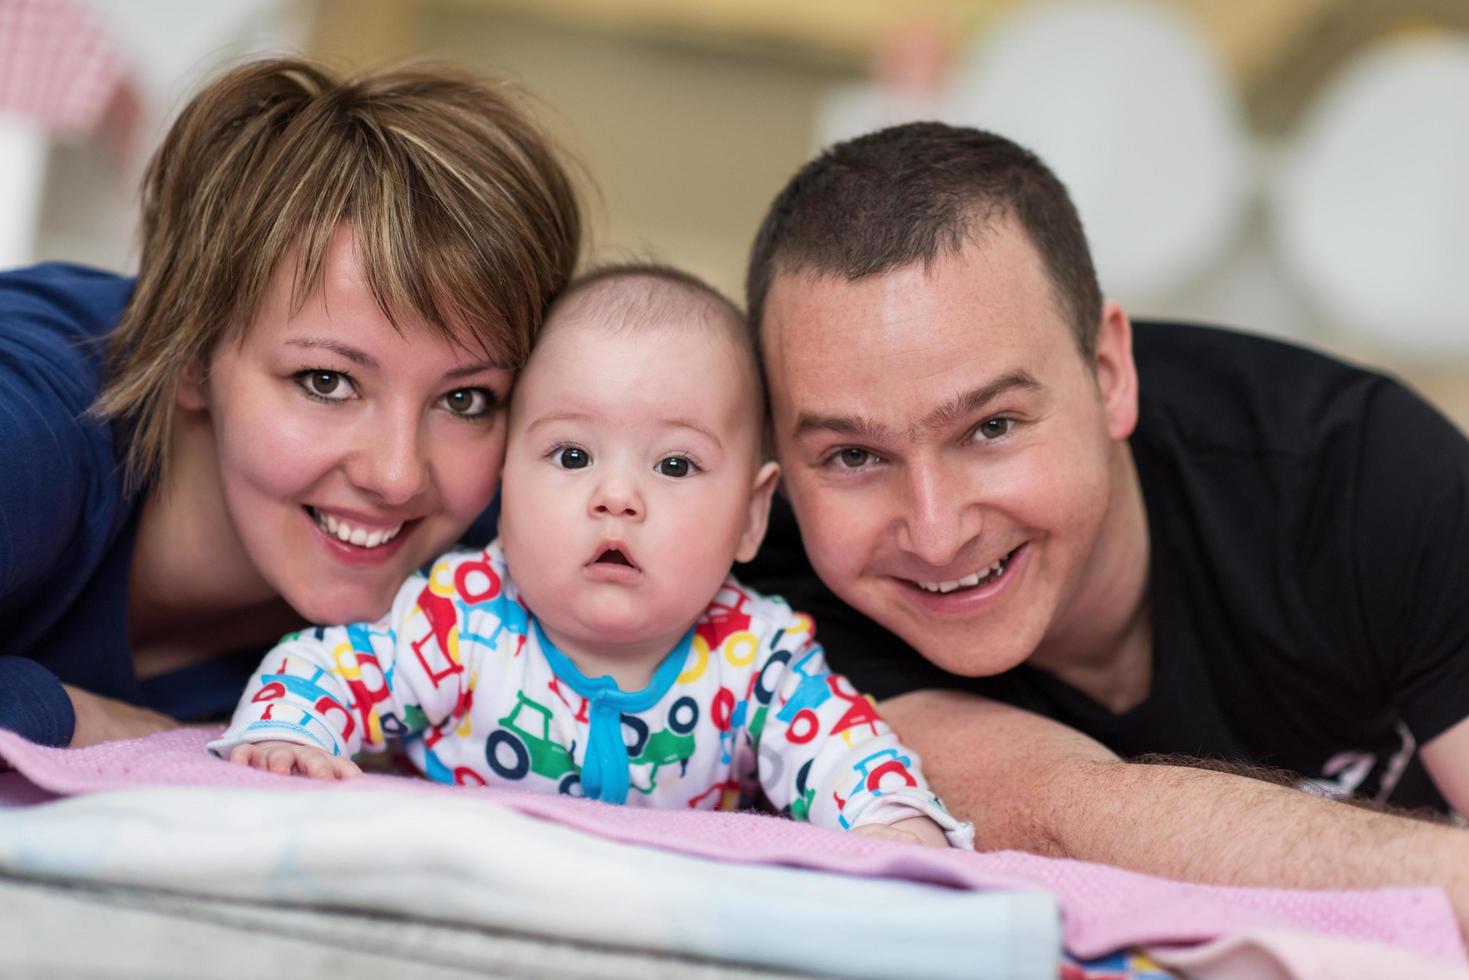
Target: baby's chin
[619,632]
[627,624]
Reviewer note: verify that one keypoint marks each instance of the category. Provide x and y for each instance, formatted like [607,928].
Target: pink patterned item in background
[59,67]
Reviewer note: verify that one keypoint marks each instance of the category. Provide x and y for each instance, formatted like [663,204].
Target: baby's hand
[287,757]
[914,830]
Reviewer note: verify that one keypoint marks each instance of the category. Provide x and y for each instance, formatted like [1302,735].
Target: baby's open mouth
[613,556]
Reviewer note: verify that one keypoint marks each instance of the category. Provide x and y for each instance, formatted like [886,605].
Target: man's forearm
[1030,784]
[1217,827]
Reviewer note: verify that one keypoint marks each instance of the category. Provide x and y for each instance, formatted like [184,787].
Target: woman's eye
[994,428]
[854,459]
[470,403]
[675,466]
[330,386]
[572,458]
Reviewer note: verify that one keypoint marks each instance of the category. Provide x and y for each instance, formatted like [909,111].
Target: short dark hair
[911,193]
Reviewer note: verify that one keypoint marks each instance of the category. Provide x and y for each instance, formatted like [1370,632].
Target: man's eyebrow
[843,425]
[965,405]
[959,408]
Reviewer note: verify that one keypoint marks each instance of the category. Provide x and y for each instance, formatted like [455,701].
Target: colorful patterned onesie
[463,674]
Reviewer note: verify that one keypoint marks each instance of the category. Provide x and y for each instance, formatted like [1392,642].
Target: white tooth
[969,580]
[359,537]
[948,586]
[343,532]
[390,535]
[328,523]
[374,539]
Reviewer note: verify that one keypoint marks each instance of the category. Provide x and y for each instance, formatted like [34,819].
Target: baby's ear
[758,514]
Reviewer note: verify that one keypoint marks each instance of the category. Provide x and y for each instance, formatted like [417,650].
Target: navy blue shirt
[66,530]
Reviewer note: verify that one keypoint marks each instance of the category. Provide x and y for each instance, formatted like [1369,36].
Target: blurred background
[1296,167]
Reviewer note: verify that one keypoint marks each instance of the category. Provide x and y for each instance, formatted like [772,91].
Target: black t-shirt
[1309,575]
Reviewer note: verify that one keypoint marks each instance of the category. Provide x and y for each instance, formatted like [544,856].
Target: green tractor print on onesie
[513,750]
[523,745]
[663,748]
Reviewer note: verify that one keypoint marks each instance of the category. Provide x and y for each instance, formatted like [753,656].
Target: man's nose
[390,460]
[941,518]
[616,495]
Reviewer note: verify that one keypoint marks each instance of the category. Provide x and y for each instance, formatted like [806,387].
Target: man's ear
[758,514]
[1115,371]
[189,394]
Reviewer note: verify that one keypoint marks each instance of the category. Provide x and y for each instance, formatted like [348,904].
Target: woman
[300,400]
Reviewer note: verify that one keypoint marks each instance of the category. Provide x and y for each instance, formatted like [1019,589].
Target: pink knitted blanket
[1104,908]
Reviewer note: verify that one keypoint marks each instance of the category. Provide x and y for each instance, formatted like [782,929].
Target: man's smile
[978,589]
[983,576]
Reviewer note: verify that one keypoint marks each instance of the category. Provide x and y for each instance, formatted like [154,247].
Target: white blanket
[438,858]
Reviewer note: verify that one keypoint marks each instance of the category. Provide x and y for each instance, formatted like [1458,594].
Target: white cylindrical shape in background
[24,147]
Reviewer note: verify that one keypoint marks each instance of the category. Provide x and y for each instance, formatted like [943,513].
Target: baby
[600,647]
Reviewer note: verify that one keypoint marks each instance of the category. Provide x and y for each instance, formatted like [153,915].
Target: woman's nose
[391,462]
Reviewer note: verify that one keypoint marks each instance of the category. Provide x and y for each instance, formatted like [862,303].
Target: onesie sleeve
[1411,557]
[824,754]
[348,689]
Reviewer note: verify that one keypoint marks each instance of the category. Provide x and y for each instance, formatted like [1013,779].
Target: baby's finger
[345,768]
[317,765]
[240,754]
[280,760]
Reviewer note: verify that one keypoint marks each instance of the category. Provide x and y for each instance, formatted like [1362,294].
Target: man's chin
[972,646]
[986,663]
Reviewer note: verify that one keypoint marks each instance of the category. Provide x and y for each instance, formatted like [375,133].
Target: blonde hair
[461,213]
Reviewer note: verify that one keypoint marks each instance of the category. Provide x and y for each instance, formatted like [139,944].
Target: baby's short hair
[637,295]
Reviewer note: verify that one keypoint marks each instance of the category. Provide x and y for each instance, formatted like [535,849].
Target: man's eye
[854,459]
[675,466]
[470,403]
[994,428]
[572,458]
[327,386]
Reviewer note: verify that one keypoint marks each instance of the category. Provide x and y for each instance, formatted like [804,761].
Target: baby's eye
[676,466]
[469,403]
[572,458]
[994,428]
[327,386]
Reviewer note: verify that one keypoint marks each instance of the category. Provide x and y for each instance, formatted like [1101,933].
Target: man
[1171,539]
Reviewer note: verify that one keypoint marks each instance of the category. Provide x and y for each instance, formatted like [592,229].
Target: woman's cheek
[284,452]
[466,467]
